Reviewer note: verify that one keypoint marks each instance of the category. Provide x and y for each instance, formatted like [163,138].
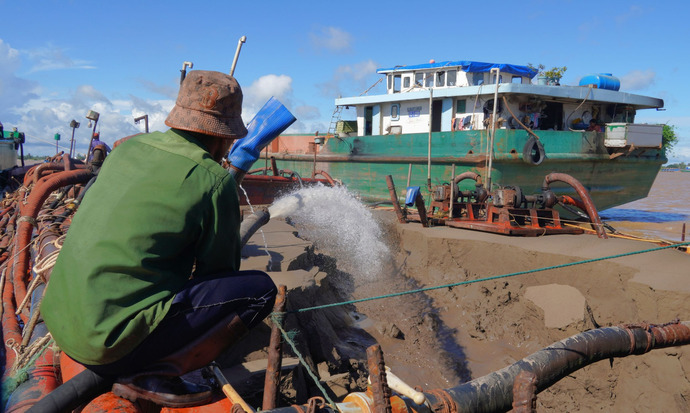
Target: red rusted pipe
[380,391]
[41,170]
[394,200]
[584,196]
[110,403]
[468,175]
[421,208]
[11,332]
[26,222]
[569,200]
[330,180]
[525,393]
[42,379]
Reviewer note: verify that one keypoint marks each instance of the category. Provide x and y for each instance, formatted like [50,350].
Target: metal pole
[394,200]
[237,54]
[490,149]
[428,166]
[183,72]
[275,355]
[93,132]
[452,191]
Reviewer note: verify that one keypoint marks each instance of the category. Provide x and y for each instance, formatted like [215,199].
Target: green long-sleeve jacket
[160,206]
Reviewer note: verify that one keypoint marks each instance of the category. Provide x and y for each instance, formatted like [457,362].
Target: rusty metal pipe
[11,331]
[275,355]
[377,376]
[394,200]
[421,209]
[325,174]
[584,196]
[494,392]
[27,221]
[468,175]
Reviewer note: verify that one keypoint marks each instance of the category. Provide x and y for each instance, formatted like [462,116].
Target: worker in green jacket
[147,285]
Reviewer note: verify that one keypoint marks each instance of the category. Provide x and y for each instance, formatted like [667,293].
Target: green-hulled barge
[437,117]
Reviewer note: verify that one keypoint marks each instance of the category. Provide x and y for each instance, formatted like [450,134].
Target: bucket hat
[210,103]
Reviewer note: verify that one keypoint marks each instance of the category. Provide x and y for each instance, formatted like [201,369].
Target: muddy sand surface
[443,337]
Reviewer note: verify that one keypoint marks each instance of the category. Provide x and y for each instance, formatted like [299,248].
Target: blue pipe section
[271,121]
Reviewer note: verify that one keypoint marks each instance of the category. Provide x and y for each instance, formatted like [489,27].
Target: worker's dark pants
[198,308]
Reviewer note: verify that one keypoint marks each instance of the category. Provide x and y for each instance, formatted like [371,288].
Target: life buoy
[533,152]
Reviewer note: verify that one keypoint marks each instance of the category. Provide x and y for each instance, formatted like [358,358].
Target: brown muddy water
[660,215]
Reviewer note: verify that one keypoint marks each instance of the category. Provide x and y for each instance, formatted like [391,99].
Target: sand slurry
[444,337]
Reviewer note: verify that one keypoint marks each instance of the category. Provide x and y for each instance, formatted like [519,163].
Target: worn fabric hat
[210,103]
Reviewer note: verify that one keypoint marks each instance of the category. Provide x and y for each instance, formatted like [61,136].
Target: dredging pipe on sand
[584,196]
[494,392]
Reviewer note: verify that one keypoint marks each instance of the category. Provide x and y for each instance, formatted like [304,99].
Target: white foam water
[338,224]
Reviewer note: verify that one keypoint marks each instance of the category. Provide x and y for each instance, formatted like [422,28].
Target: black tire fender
[533,152]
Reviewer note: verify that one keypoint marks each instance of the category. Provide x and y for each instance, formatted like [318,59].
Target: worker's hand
[270,122]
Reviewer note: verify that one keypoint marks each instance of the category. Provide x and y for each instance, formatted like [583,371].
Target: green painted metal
[362,163]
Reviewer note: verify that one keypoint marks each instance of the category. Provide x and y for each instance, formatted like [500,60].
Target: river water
[660,215]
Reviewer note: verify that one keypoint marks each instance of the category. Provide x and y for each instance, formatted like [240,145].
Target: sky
[122,59]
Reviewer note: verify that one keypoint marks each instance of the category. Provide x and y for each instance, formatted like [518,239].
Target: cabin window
[516,79]
[418,79]
[396,83]
[452,77]
[477,79]
[395,111]
[390,82]
[440,79]
[406,82]
[493,79]
[429,80]
[461,106]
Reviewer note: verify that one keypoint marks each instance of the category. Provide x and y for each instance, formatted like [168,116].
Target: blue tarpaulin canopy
[468,66]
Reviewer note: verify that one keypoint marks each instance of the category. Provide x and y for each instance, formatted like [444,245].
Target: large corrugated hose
[82,388]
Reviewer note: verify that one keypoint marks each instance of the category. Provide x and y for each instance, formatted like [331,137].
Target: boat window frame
[440,78]
[395,111]
[397,83]
[518,78]
[493,79]
[454,74]
[477,78]
[419,79]
[429,79]
[407,82]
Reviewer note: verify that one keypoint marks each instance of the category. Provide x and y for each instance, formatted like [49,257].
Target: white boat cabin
[459,95]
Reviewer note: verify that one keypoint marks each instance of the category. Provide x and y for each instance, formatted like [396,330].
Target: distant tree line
[681,165]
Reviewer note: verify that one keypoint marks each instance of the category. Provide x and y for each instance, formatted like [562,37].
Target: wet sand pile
[444,337]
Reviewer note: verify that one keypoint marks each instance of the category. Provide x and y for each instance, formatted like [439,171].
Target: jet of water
[337,223]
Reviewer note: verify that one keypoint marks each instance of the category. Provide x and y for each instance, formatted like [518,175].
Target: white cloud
[165,90]
[638,79]
[14,91]
[54,58]
[354,79]
[265,87]
[332,39]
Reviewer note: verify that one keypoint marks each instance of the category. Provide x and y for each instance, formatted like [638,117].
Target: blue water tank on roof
[601,81]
